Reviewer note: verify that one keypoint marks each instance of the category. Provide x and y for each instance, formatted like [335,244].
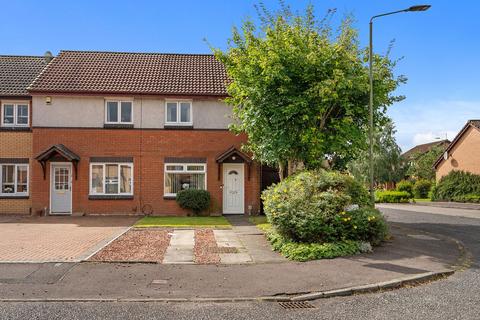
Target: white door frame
[68,164]
[236,166]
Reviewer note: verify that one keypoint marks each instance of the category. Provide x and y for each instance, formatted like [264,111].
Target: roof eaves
[455,140]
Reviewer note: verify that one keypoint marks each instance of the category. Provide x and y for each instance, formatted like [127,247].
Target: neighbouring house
[122,133]
[421,149]
[414,154]
[16,74]
[463,153]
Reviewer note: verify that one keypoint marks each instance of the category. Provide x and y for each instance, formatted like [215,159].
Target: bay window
[181,176]
[111,178]
[14,179]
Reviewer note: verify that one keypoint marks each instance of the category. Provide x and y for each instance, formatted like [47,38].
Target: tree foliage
[300,89]
[421,167]
[388,164]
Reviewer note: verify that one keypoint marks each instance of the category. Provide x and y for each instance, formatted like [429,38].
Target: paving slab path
[181,245]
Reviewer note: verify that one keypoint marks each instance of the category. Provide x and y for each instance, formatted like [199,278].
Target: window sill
[169,197]
[13,128]
[13,197]
[110,197]
[178,127]
[118,125]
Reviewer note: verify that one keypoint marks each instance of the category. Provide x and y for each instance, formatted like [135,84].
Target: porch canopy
[233,155]
[57,152]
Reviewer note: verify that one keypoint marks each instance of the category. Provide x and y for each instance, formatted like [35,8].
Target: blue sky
[440,47]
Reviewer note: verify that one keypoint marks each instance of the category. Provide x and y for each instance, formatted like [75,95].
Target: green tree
[421,165]
[388,163]
[300,90]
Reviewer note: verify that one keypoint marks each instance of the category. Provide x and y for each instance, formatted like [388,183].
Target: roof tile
[134,73]
[17,72]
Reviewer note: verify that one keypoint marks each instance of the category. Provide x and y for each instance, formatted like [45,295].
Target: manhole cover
[223,250]
[296,305]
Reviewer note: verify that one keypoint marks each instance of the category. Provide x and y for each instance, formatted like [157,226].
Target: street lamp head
[422,7]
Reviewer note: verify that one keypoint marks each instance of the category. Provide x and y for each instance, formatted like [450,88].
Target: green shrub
[474,198]
[456,185]
[391,196]
[309,207]
[421,188]
[194,199]
[365,224]
[313,251]
[405,186]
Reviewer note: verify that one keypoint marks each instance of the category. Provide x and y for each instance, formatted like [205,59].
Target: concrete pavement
[409,253]
[456,297]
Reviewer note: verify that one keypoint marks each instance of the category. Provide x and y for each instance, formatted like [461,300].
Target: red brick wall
[148,165]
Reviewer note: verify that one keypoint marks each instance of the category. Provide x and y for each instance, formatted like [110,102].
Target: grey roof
[18,72]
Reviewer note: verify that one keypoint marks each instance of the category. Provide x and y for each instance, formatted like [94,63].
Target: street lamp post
[370,59]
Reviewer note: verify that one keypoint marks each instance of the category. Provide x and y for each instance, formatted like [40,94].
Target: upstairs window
[15,114]
[14,179]
[118,112]
[178,113]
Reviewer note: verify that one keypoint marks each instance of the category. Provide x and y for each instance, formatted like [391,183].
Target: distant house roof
[422,148]
[88,72]
[470,123]
[17,72]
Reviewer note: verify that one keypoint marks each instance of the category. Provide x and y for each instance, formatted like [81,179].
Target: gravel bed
[146,245]
[205,247]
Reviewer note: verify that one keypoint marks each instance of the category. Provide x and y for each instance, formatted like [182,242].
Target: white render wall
[89,112]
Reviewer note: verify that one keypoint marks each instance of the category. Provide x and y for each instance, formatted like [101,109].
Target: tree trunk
[281,170]
[294,166]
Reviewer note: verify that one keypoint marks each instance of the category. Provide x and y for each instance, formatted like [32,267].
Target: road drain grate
[296,305]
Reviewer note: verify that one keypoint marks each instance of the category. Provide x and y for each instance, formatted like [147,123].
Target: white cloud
[426,137]
[422,122]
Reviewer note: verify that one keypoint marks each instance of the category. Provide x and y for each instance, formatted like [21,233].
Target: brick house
[463,153]
[122,133]
[16,73]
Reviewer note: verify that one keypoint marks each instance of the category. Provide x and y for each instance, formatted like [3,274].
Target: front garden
[320,214]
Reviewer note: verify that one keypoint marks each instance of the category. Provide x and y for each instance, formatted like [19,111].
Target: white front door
[61,188]
[233,188]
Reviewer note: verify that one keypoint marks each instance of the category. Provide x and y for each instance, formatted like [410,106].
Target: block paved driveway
[57,239]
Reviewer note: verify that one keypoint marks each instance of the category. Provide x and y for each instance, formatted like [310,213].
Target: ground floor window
[14,179]
[180,176]
[111,178]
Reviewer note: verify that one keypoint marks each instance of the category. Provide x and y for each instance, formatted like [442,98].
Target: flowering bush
[310,207]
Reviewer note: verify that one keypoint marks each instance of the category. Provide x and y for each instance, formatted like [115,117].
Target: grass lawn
[184,222]
[422,200]
[261,222]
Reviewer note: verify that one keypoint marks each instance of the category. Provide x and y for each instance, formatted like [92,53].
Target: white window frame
[119,112]
[178,122]
[184,170]
[104,164]
[15,123]
[15,181]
